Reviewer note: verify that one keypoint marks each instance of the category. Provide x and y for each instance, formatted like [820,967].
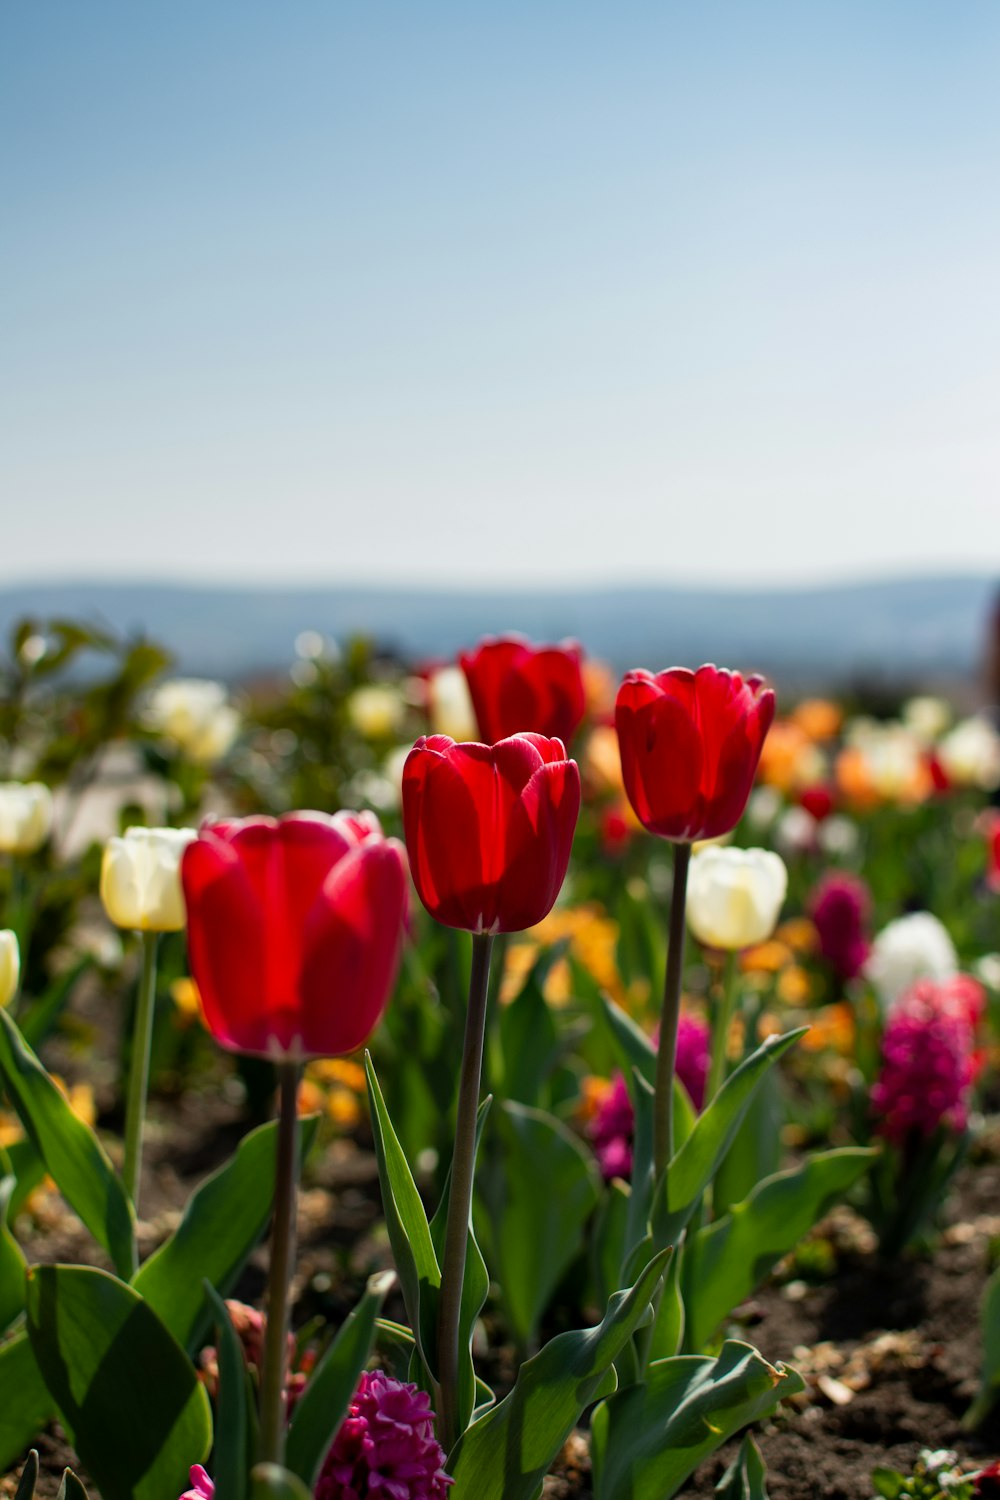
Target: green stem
[138,1083]
[460,1195]
[722,1021]
[275,1358]
[666,1057]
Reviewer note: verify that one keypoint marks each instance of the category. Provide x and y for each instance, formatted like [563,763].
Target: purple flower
[840,907]
[202,1488]
[385,1448]
[613,1127]
[928,1067]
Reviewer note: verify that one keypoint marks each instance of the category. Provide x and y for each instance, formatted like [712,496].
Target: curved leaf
[12,1262]
[323,1405]
[222,1223]
[26,1407]
[746,1477]
[72,1154]
[232,1428]
[506,1453]
[137,1413]
[648,1439]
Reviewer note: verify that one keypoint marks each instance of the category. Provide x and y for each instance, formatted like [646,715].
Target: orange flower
[832,1027]
[818,718]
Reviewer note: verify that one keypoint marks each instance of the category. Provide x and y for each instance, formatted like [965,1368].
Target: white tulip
[926,717]
[838,835]
[450,705]
[970,754]
[194,714]
[734,896]
[140,879]
[25,816]
[913,947]
[10,966]
[376,710]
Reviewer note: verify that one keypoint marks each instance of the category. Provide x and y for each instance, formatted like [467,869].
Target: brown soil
[890,1354]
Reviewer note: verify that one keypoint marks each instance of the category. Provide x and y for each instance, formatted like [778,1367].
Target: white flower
[838,835]
[970,754]
[376,710]
[763,807]
[193,713]
[894,759]
[926,717]
[797,831]
[450,705]
[734,896]
[140,879]
[25,816]
[913,947]
[10,966]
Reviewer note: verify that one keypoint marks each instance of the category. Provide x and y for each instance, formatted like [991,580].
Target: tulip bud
[10,966]
[140,879]
[193,714]
[734,896]
[25,816]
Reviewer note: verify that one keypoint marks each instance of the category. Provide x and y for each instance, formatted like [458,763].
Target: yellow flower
[184,994]
[794,985]
[140,879]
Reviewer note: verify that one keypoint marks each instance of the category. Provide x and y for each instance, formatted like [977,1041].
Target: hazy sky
[544,289]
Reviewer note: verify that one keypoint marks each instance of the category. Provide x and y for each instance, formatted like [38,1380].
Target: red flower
[294,930]
[817,800]
[690,743]
[518,688]
[993,851]
[489,828]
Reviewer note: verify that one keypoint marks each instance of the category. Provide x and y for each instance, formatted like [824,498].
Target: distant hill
[916,629]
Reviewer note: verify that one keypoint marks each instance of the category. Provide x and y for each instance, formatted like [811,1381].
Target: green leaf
[506,1453]
[43,1014]
[888,1482]
[323,1405]
[29,1477]
[271,1482]
[71,1488]
[475,1289]
[989,1377]
[646,1440]
[409,1232]
[635,1050]
[529,1037]
[541,1188]
[127,1393]
[28,1169]
[694,1165]
[671,1314]
[727,1260]
[746,1477]
[222,1223]
[72,1154]
[26,1407]
[12,1263]
[756,1149]
[607,1241]
[232,1428]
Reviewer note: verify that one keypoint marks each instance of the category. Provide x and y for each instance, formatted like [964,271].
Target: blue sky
[549,291]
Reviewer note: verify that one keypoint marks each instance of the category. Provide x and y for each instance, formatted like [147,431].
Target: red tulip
[294,930]
[518,688]
[690,743]
[489,828]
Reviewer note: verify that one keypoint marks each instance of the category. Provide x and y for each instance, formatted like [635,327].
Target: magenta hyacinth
[613,1127]
[840,907]
[202,1487]
[928,1067]
[385,1448]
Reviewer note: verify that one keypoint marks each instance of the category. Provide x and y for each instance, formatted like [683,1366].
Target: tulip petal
[538,837]
[226,943]
[449,816]
[352,943]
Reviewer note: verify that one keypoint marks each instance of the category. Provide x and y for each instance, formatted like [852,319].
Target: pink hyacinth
[385,1448]
[613,1127]
[928,1066]
[202,1488]
[840,907]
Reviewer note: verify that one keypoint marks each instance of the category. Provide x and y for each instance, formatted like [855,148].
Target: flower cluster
[840,908]
[928,1060]
[613,1126]
[385,1448]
